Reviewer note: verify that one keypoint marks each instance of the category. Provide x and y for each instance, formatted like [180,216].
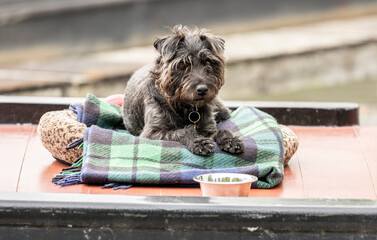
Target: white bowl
[225,184]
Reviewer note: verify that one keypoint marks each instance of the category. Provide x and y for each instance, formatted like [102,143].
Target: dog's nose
[201,89]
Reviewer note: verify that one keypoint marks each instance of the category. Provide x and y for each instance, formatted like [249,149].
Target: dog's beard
[188,95]
[179,91]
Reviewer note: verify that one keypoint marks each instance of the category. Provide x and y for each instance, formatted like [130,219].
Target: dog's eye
[208,64]
[182,65]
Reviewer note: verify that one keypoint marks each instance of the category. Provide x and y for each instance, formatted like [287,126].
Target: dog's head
[190,66]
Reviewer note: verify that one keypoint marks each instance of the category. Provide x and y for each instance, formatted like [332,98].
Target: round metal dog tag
[194,116]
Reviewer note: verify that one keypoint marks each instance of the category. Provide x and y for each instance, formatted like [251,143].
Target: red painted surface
[331,162]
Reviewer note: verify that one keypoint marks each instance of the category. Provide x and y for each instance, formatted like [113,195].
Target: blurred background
[293,50]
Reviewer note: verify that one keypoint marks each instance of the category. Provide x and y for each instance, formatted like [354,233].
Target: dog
[176,97]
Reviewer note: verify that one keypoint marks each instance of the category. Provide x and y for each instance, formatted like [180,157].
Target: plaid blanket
[111,154]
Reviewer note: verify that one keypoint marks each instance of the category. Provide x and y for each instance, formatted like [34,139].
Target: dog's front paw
[203,146]
[232,145]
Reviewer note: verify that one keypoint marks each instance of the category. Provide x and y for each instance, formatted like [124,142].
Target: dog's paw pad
[232,145]
[203,147]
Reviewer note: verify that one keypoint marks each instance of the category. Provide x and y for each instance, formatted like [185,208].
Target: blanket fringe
[78,142]
[67,180]
[117,186]
[70,175]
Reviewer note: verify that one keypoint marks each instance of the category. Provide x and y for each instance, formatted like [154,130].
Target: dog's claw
[203,146]
[232,145]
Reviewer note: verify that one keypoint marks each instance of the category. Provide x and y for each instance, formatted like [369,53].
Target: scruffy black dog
[176,97]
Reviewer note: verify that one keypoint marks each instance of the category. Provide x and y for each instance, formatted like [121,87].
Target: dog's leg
[201,146]
[159,126]
[187,136]
[228,142]
[221,112]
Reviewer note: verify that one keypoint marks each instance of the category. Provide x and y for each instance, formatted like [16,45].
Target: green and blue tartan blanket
[112,155]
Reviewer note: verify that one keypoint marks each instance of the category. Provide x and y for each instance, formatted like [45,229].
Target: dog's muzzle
[201,90]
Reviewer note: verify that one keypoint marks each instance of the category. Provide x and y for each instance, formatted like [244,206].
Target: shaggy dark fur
[186,77]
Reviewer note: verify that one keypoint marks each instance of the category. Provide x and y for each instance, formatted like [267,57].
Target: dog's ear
[158,43]
[168,45]
[216,43]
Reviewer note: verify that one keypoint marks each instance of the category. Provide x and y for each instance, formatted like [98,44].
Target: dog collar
[194,116]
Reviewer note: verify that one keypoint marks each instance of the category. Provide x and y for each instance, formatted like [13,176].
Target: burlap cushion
[57,129]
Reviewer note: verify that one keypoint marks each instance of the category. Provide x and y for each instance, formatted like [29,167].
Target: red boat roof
[331,162]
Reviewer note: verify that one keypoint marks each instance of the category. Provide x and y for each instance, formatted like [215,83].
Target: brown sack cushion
[57,129]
